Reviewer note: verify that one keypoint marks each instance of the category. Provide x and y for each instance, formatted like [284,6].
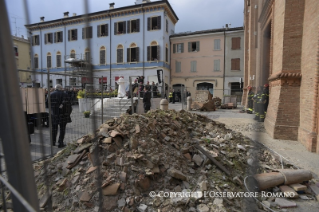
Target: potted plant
[86,114]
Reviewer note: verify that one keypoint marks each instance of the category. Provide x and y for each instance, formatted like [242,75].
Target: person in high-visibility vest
[250,100]
[264,100]
[170,97]
[258,103]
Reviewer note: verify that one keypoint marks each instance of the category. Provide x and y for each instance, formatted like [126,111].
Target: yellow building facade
[22,54]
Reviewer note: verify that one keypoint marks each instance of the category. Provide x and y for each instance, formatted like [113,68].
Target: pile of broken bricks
[167,151]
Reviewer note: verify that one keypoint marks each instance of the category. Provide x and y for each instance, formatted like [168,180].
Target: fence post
[50,118]
[102,98]
[13,129]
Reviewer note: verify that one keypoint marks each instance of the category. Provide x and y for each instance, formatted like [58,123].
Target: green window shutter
[197,46]
[115,28]
[76,34]
[124,27]
[83,35]
[189,46]
[98,31]
[182,47]
[174,48]
[128,59]
[48,61]
[158,53]
[102,56]
[45,39]
[69,31]
[138,25]
[137,54]
[90,32]
[106,30]
[54,41]
[36,62]
[128,27]
[159,21]
[148,24]
[195,66]
[148,53]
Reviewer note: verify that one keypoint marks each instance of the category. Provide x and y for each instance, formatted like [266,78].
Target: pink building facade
[198,61]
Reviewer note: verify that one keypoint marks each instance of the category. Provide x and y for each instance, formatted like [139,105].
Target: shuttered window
[153,53]
[36,62]
[216,65]
[102,56]
[102,30]
[119,55]
[235,64]
[35,40]
[58,61]
[58,37]
[166,25]
[154,23]
[87,32]
[48,61]
[235,43]
[217,44]
[120,28]
[178,67]
[193,66]
[133,26]
[166,55]
[48,38]
[193,46]
[72,34]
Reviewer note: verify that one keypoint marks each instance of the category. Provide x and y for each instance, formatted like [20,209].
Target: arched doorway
[206,86]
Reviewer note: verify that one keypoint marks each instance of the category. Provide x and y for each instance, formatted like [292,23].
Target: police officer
[250,100]
[265,101]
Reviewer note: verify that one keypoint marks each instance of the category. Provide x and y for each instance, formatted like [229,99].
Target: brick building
[282,49]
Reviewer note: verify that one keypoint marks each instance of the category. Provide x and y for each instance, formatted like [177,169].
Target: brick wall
[309,69]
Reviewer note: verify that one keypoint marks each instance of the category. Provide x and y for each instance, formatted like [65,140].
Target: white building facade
[126,41]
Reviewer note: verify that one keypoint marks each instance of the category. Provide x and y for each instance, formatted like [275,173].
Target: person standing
[154,90]
[174,94]
[147,99]
[258,97]
[264,101]
[61,110]
[250,100]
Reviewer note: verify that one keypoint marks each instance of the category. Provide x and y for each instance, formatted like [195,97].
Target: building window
[216,65]
[166,25]
[178,67]
[166,54]
[119,58]
[102,30]
[102,55]
[35,40]
[48,38]
[36,61]
[16,53]
[235,43]
[72,81]
[193,66]
[120,28]
[193,46]
[154,23]
[58,37]
[153,52]
[133,53]
[72,34]
[235,64]
[179,48]
[86,32]
[87,55]
[217,44]
[49,60]
[59,81]
[58,60]
[133,26]
[72,55]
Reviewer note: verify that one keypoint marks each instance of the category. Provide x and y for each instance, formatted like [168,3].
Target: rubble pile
[143,155]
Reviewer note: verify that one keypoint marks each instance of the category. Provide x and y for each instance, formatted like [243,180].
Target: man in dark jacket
[61,110]
[147,99]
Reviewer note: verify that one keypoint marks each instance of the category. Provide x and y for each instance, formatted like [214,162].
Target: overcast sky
[193,15]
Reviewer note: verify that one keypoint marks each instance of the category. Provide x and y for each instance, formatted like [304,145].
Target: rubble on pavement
[157,151]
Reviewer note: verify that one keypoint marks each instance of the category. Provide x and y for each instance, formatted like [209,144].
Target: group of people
[258,103]
[138,88]
[61,109]
[173,95]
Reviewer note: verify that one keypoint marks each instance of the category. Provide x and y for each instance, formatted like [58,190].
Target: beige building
[197,60]
[22,54]
[234,63]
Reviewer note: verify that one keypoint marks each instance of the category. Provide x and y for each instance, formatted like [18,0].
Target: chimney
[66,14]
[112,5]
[226,26]
[74,14]
[42,19]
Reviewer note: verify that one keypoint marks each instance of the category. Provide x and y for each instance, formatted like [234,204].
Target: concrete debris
[164,151]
